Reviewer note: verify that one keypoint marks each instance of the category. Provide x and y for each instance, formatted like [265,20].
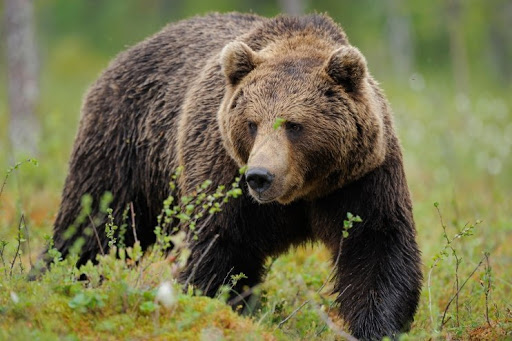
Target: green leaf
[148,307]
[243,170]
[183,216]
[278,123]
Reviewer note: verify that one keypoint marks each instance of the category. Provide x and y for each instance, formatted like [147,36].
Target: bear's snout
[259,179]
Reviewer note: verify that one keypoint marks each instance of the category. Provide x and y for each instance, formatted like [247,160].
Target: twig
[3,184]
[488,287]
[443,322]
[28,243]
[323,316]
[97,235]
[325,326]
[210,282]
[17,254]
[292,314]
[320,289]
[8,173]
[464,232]
[457,263]
[204,223]
[133,222]
[136,240]
[334,267]
[241,297]
[332,325]
[3,244]
[249,291]
[196,265]
[225,278]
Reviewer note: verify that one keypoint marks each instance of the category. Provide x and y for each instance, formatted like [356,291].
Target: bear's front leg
[238,240]
[377,281]
[378,276]
[215,259]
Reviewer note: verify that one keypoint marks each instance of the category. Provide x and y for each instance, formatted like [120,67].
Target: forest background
[446,68]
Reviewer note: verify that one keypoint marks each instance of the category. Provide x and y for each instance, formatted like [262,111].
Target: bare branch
[196,265]
[323,315]
[97,236]
[443,322]
[292,314]
[18,248]
[28,243]
[133,223]
[487,287]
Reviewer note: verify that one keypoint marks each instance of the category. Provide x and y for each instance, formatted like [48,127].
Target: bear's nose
[259,179]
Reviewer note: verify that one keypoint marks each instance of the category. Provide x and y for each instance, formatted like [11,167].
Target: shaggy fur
[204,94]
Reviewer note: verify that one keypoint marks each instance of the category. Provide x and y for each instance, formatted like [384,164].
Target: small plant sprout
[445,252]
[278,123]
[8,172]
[349,223]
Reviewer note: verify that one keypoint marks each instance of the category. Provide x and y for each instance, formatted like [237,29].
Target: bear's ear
[237,60]
[347,67]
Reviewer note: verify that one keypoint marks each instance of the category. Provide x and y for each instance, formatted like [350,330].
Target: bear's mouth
[261,199]
[266,201]
[283,199]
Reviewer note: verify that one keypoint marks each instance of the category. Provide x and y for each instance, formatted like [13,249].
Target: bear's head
[305,121]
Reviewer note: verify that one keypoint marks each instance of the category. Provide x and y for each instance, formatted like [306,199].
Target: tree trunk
[22,75]
[293,7]
[458,50]
[400,38]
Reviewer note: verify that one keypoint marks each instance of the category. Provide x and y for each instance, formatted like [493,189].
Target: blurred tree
[400,37]
[458,46]
[293,7]
[500,37]
[22,75]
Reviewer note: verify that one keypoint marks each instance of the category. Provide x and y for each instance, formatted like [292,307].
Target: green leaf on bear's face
[279,122]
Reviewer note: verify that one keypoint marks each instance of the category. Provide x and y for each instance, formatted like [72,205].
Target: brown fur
[204,94]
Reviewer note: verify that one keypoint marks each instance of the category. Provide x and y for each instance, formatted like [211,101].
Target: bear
[204,95]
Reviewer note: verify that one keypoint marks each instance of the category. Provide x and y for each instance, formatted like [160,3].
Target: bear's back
[130,117]
[184,45]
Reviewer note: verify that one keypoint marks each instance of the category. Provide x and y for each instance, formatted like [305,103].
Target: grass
[457,153]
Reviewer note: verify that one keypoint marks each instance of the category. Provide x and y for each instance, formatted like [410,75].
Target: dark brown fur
[184,97]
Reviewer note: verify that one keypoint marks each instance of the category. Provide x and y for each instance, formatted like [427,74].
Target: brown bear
[204,94]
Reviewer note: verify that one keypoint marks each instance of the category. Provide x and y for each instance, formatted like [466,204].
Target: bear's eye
[253,127]
[293,129]
[329,93]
